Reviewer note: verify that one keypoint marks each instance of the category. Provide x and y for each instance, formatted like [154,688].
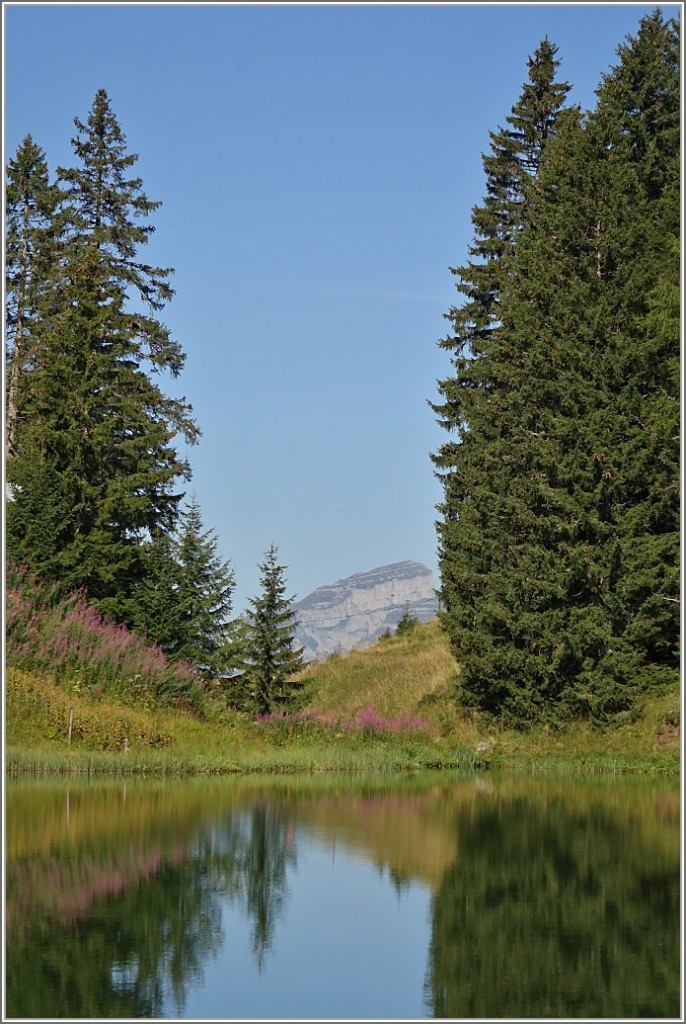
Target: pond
[346,896]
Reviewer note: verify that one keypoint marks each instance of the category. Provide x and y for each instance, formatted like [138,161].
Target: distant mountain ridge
[355,611]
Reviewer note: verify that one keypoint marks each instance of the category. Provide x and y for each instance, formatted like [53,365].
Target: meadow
[84,696]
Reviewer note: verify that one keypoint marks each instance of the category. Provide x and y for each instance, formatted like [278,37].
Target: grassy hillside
[387,706]
[401,675]
[417,674]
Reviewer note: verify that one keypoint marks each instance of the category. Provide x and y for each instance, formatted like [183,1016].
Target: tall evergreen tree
[32,235]
[565,523]
[635,132]
[272,657]
[514,159]
[98,431]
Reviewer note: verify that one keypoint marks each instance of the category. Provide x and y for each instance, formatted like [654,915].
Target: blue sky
[317,166]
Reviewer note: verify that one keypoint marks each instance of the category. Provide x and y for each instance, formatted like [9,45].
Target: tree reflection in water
[131,952]
[553,910]
[550,898]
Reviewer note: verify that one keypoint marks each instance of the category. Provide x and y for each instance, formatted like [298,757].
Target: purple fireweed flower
[68,634]
[366,720]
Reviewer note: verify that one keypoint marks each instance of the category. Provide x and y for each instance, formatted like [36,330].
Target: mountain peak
[355,611]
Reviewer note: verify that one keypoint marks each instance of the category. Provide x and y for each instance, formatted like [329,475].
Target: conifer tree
[272,657]
[97,430]
[635,131]
[609,211]
[514,159]
[406,623]
[205,596]
[565,527]
[157,611]
[185,599]
[32,235]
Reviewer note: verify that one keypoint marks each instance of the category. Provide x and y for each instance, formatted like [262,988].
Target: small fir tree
[407,622]
[205,595]
[272,656]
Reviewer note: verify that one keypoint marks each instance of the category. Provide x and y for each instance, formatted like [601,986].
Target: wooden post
[71,722]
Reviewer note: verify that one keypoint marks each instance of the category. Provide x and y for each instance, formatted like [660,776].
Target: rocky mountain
[355,611]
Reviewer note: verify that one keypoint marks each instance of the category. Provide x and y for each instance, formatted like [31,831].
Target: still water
[429,895]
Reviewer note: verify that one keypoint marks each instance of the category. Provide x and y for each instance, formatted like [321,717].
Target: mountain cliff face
[355,611]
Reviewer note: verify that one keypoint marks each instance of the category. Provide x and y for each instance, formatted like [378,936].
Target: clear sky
[318,164]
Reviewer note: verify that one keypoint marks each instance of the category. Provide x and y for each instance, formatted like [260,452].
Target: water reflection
[548,897]
[123,920]
[553,910]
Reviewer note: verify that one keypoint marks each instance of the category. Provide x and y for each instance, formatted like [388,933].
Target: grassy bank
[416,673]
[385,708]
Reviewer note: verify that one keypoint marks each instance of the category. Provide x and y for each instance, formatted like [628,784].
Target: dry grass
[108,737]
[395,676]
[416,674]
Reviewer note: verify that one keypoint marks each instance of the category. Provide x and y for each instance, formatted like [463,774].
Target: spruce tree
[205,594]
[565,525]
[407,622]
[157,611]
[611,209]
[185,599]
[97,429]
[32,236]
[636,132]
[516,153]
[272,658]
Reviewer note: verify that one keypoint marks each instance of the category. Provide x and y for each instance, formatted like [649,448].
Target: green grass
[411,675]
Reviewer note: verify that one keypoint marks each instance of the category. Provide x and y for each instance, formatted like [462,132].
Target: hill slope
[401,675]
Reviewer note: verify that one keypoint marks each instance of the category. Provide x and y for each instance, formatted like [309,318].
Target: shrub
[407,622]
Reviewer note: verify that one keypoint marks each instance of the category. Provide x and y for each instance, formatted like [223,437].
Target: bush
[406,623]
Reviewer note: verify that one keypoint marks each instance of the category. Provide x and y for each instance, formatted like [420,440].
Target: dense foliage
[558,538]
